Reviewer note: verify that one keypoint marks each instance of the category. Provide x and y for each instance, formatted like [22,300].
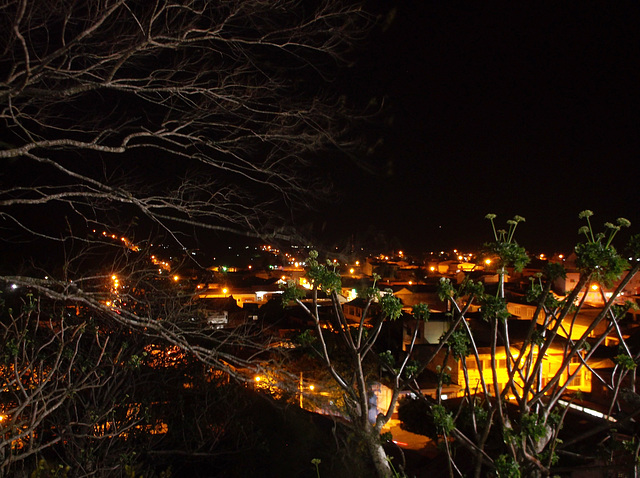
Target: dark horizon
[527,110]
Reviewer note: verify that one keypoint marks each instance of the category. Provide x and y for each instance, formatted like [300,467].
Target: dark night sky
[505,109]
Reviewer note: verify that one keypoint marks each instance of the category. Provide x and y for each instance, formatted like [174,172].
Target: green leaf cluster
[442,419]
[390,305]
[411,368]
[493,307]
[509,253]
[597,256]
[292,293]
[532,426]
[473,412]
[421,312]
[625,361]
[602,261]
[323,276]
[387,358]
[458,344]
[554,270]
[305,339]
[506,467]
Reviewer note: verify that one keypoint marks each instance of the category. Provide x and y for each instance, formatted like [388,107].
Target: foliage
[493,307]
[508,252]
[625,361]
[347,349]
[597,257]
[392,306]
[305,339]
[442,419]
[323,276]
[513,410]
[458,344]
[506,467]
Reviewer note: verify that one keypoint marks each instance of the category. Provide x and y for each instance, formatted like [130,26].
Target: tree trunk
[379,458]
[377,454]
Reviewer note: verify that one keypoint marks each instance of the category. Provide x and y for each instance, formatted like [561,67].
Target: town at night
[293,239]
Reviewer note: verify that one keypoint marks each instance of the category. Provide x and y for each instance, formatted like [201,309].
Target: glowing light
[357,263]
[594,287]
[352,270]
[258,378]
[114,277]
[311,387]
[176,278]
[432,268]
[487,261]
[225,290]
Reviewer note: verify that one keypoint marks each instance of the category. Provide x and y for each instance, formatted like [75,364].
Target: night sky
[503,109]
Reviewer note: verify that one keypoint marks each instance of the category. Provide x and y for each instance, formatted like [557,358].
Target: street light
[301,387]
